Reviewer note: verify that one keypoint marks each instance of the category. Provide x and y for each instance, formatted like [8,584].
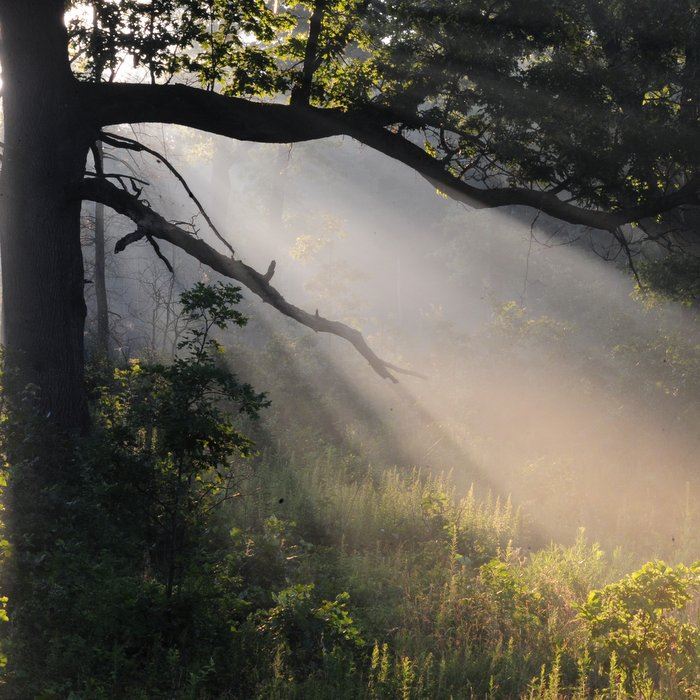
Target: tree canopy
[585,110]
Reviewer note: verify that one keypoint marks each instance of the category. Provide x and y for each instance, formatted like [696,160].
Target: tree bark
[263,122]
[102,307]
[46,143]
[301,92]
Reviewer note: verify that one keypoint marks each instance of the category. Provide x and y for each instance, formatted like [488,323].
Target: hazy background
[546,380]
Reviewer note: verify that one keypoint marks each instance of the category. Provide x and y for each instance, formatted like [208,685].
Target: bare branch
[270,271]
[399,148]
[134,145]
[158,252]
[619,236]
[137,235]
[120,177]
[150,223]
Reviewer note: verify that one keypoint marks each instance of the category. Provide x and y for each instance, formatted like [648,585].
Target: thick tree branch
[245,120]
[276,123]
[399,148]
[152,225]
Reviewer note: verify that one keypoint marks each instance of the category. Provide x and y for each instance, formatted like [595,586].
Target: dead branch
[150,223]
[133,145]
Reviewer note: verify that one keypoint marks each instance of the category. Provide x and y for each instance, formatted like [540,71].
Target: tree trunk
[47,136]
[100,276]
[46,142]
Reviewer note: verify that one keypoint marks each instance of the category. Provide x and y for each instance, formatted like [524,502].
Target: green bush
[637,620]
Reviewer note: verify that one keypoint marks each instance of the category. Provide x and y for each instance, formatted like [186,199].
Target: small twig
[624,246]
[158,252]
[527,258]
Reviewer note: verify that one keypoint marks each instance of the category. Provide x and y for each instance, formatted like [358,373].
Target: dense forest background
[254,512]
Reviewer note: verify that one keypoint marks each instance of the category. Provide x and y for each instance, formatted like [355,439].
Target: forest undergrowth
[179,560]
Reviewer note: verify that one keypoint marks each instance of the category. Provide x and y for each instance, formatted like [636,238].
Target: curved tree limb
[246,120]
[399,148]
[235,117]
[152,225]
[133,145]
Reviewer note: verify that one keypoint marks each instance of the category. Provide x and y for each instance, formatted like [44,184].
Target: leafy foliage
[595,98]
[216,40]
[675,277]
[178,419]
[356,584]
[633,619]
[303,632]
[132,530]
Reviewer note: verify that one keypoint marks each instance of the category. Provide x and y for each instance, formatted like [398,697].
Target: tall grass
[445,589]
